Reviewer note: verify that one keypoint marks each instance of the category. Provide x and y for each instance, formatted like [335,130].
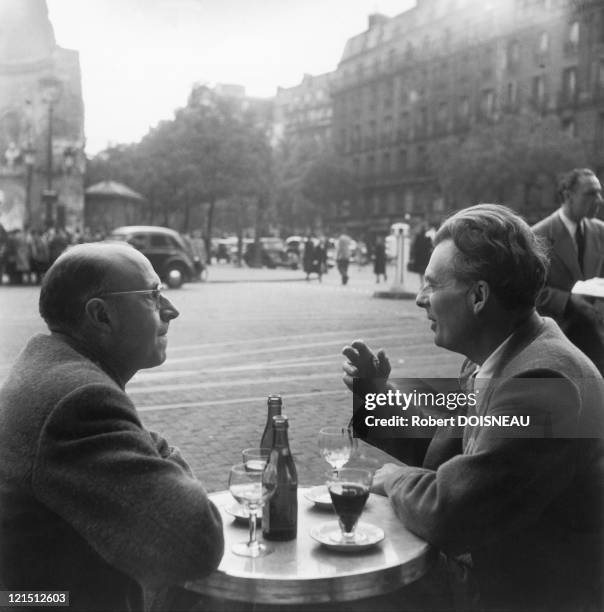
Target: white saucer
[326,532]
[240,514]
[320,497]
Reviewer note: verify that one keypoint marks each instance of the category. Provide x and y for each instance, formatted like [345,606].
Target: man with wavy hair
[519,509]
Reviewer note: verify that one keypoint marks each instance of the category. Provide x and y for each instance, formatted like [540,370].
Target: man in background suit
[576,251]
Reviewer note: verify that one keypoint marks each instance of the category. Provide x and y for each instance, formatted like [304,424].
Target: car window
[160,240]
[174,243]
[138,241]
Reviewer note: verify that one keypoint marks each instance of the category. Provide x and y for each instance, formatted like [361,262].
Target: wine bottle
[274,409]
[280,513]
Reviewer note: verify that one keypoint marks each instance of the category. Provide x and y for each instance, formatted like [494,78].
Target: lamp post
[51,93]
[69,160]
[29,157]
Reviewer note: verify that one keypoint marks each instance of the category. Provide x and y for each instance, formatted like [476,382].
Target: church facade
[42,159]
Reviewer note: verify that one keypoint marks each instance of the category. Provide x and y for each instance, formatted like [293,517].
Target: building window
[539,90]
[569,127]
[371,165]
[402,160]
[376,205]
[403,125]
[601,75]
[512,54]
[422,158]
[512,94]
[443,115]
[487,103]
[464,107]
[543,46]
[391,203]
[569,84]
[356,166]
[386,163]
[573,33]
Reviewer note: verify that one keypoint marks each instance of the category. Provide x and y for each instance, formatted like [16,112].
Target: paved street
[244,335]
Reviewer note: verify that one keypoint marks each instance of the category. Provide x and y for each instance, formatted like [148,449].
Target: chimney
[377,19]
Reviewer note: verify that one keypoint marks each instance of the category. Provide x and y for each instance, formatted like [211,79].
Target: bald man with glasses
[91,502]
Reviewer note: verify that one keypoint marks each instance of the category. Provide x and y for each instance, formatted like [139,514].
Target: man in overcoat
[91,502]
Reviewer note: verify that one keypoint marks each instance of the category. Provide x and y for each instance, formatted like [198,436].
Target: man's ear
[479,296]
[98,315]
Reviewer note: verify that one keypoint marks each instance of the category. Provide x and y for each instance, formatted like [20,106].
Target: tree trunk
[258,232]
[187,216]
[209,221]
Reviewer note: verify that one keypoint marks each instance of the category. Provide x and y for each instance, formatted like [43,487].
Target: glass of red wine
[349,490]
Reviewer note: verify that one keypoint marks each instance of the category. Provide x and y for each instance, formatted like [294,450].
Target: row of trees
[213,165]
[214,162]
[513,161]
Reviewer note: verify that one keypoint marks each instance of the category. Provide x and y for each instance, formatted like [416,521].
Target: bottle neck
[280,440]
[274,409]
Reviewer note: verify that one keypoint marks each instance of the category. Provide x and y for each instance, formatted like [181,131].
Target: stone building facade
[40,85]
[434,71]
[304,112]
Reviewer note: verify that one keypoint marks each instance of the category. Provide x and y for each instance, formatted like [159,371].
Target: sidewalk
[359,278]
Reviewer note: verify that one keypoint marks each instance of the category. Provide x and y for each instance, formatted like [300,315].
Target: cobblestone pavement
[244,335]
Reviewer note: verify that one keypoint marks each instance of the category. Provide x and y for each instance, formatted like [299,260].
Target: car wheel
[175,276]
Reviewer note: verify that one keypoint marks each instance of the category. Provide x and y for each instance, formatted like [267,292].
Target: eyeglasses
[155,293]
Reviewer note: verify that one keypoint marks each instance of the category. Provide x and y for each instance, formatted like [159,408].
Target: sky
[140,58]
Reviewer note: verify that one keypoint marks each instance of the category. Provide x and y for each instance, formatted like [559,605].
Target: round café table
[303,571]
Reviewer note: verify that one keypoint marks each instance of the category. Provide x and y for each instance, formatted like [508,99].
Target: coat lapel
[563,247]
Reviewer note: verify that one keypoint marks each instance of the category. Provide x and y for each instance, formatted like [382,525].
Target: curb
[393,294]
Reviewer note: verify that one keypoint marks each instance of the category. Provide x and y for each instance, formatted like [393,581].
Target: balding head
[82,272]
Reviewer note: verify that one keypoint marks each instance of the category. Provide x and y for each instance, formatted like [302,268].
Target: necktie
[580,238]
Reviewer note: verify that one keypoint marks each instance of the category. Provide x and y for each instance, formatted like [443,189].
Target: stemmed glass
[336,444]
[251,488]
[349,490]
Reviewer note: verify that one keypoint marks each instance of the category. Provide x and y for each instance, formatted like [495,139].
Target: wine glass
[251,488]
[255,459]
[336,444]
[349,490]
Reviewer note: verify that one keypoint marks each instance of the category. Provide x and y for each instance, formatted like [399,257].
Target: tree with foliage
[308,178]
[213,150]
[502,161]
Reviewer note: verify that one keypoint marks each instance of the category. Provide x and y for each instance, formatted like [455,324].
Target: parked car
[165,248]
[273,254]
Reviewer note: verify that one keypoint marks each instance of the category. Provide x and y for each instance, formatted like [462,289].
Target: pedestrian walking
[308,257]
[39,256]
[379,259]
[419,256]
[343,256]
[200,255]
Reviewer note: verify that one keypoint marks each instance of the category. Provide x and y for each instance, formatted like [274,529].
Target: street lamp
[69,160]
[51,93]
[29,157]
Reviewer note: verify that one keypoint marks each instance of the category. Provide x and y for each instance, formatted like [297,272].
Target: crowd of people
[93,502]
[26,255]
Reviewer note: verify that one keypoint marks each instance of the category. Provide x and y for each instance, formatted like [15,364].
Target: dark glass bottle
[280,514]
[274,409]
